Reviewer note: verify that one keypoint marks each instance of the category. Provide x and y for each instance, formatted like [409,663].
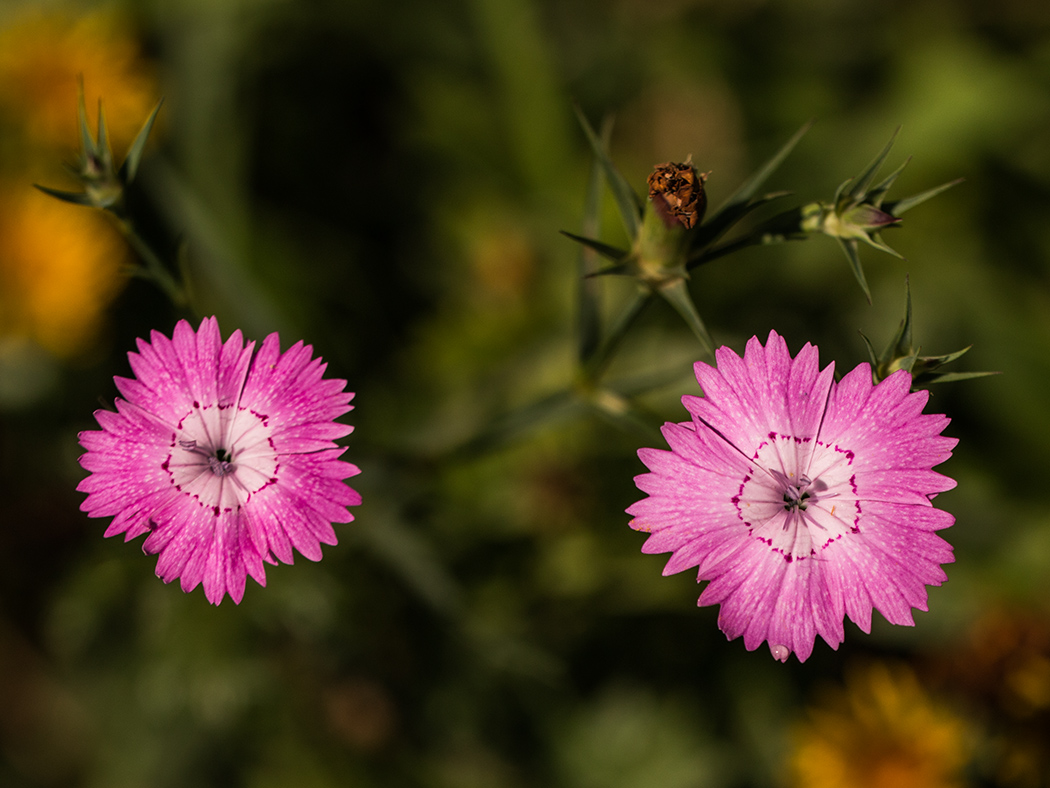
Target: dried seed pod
[677,193]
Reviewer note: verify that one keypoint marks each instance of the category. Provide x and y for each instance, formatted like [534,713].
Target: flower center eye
[222,463]
[795,498]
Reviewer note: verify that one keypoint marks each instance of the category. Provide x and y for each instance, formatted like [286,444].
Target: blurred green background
[387,182]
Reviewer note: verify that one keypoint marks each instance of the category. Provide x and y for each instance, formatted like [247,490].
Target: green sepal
[849,247]
[901,344]
[606,251]
[876,194]
[623,269]
[77,198]
[873,358]
[924,370]
[949,377]
[860,183]
[875,241]
[627,200]
[897,207]
[87,139]
[105,152]
[840,191]
[131,162]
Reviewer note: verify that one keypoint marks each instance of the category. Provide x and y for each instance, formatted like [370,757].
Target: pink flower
[225,460]
[800,499]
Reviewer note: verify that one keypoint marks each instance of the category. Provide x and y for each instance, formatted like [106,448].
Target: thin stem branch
[603,356]
[154,268]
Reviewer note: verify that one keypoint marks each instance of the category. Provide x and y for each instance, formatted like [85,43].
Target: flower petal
[226,462]
[800,499]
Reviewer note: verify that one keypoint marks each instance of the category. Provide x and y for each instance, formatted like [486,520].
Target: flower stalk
[105,188]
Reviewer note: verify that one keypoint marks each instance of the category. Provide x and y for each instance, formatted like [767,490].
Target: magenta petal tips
[226,459]
[800,499]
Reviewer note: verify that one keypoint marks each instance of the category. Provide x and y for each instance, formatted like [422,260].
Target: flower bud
[855,222]
[103,183]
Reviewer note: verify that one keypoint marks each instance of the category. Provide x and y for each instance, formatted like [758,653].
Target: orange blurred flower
[60,265]
[883,731]
[44,55]
[1002,668]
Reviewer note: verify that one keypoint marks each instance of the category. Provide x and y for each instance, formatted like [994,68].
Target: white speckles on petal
[778,492]
[196,456]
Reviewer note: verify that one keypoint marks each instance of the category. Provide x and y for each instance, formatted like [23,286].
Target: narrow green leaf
[874,360]
[87,140]
[712,230]
[606,251]
[678,296]
[105,155]
[936,362]
[876,193]
[862,181]
[131,161]
[951,377]
[875,241]
[898,207]
[849,247]
[588,311]
[614,270]
[785,226]
[77,198]
[626,200]
[904,336]
[841,190]
[750,187]
[901,343]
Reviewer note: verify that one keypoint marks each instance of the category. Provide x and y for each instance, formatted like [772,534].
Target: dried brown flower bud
[677,193]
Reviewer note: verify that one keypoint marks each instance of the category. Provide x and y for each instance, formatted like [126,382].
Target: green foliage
[387,182]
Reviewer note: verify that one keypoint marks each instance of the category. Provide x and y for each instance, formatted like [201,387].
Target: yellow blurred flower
[42,57]
[60,265]
[1002,668]
[883,731]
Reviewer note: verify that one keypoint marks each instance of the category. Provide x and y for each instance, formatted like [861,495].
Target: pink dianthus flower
[799,499]
[225,460]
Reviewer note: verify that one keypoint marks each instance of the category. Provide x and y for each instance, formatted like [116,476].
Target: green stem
[599,362]
[154,268]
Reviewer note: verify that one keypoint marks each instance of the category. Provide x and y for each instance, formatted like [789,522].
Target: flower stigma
[222,463]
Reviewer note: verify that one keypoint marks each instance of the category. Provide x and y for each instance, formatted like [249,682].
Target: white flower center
[221,456]
[799,495]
